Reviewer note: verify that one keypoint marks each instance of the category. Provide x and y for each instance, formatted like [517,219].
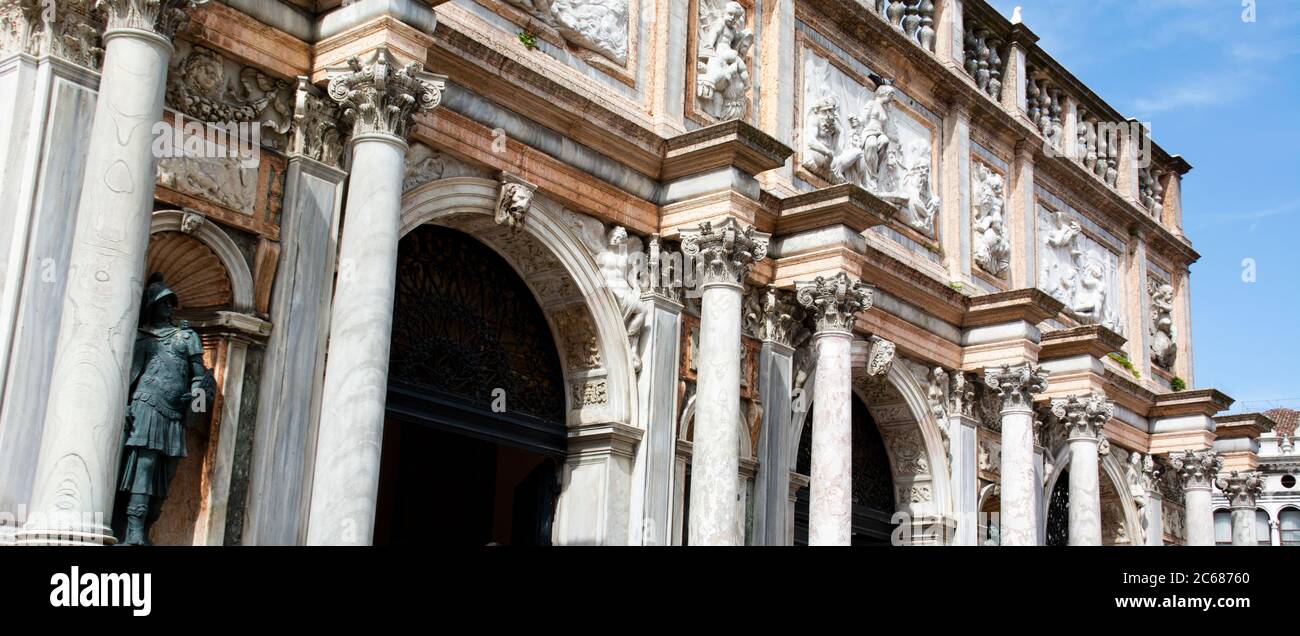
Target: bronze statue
[167,384]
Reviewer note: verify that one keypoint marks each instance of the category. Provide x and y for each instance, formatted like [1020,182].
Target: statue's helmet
[156,291]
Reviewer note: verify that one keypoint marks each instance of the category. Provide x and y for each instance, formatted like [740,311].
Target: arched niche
[552,259]
[209,274]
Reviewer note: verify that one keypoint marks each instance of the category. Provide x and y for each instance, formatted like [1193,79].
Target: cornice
[1242,425]
[1093,340]
[734,144]
[1205,402]
[1030,305]
[845,204]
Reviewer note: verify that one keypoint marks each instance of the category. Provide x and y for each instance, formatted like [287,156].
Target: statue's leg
[137,508]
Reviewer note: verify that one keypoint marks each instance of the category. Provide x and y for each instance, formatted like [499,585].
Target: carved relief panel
[856,127]
[720,74]
[990,235]
[1077,268]
[600,32]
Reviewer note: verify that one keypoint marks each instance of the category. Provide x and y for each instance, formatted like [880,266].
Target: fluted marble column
[1198,470]
[382,100]
[1084,420]
[1242,489]
[72,496]
[834,304]
[1016,386]
[724,252]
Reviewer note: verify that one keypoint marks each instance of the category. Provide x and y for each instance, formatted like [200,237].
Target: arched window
[1261,528]
[1222,527]
[1290,519]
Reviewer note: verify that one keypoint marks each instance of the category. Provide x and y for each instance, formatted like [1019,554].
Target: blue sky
[1225,94]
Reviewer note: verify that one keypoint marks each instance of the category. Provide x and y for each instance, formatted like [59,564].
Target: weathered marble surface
[1021,479]
[830,515]
[87,398]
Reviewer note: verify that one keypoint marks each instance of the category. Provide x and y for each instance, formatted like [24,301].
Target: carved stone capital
[1196,470]
[1241,489]
[315,133]
[725,251]
[1083,418]
[835,302]
[513,200]
[1016,385]
[782,319]
[67,29]
[162,17]
[380,97]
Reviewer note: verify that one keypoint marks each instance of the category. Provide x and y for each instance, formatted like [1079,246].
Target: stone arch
[903,416]
[1111,468]
[686,429]
[913,438]
[551,257]
[219,244]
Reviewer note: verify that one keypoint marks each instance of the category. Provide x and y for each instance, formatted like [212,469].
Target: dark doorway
[873,485]
[1058,512]
[475,433]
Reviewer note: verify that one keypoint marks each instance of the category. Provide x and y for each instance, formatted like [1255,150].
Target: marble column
[1084,420]
[1242,489]
[723,252]
[1197,470]
[834,304]
[73,490]
[382,99]
[1016,386]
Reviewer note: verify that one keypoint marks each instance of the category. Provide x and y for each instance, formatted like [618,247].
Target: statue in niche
[168,384]
[992,247]
[722,75]
[615,265]
[822,136]
[1163,348]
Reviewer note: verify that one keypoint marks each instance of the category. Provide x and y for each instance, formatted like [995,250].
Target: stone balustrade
[914,17]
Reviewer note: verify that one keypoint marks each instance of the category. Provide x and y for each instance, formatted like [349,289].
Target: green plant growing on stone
[957,287]
[1177,384]
[528,40]
[1126,363]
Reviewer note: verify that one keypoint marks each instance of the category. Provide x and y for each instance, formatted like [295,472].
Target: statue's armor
[161,380]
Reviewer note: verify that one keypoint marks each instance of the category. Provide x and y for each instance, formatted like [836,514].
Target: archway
[1120,522]
[873,484]
[554,256]
[476,403]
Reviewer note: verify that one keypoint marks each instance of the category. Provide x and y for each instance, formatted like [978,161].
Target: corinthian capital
[381,97]
[724,251]
[315,131]
[835,302]
[1241,489]
[163,17]
[1016,385]
[1196,469]
[782,318]
[1083,418]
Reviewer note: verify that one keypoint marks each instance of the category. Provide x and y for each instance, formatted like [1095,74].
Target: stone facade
[803,234]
